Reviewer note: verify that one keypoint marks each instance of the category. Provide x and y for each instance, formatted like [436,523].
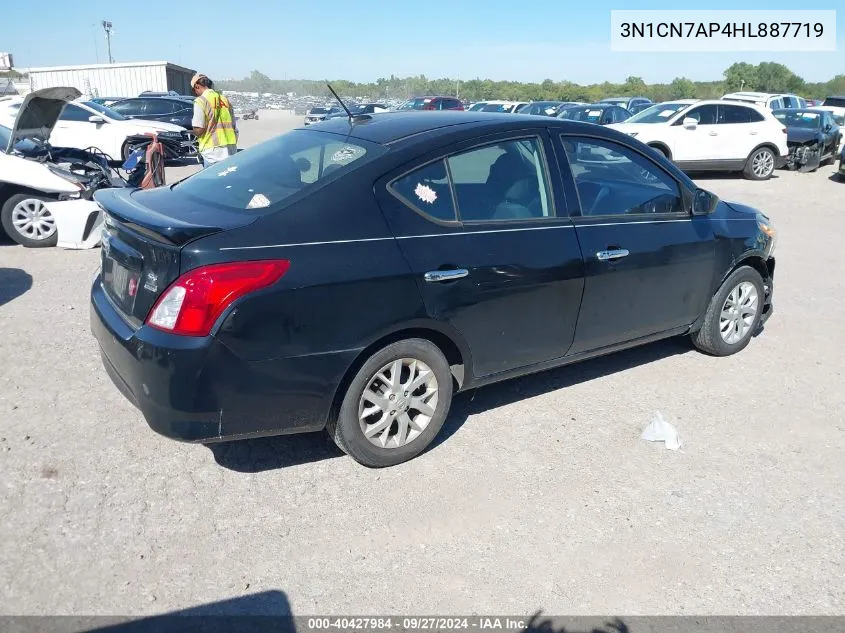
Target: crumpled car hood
[39,112]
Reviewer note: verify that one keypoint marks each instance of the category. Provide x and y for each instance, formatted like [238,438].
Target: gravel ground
[538,495]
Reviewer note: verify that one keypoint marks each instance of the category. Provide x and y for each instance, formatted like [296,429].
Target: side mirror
[690,123]
[94,118]
[704,202]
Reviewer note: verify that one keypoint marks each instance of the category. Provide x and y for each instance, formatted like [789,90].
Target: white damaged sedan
[33,173]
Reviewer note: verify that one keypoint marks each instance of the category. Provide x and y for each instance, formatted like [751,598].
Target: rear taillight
[194,302]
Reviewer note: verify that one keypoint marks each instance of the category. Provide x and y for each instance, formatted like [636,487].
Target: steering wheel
[603,193]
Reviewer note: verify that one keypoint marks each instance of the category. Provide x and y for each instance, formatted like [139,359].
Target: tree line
[763,77]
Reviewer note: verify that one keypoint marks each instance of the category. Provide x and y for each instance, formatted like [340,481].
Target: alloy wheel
[398,403]
[738,312]
[763,163]
[31,219]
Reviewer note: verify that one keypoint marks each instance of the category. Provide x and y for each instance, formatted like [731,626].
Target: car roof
[387,128]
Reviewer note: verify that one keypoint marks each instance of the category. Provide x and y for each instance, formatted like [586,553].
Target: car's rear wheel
[733,315]
[27,221]
[760,164]
[395,405]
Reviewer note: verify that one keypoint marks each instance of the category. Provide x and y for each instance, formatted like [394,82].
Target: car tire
[760,164]
[733,315]
[41,230]
[413,361]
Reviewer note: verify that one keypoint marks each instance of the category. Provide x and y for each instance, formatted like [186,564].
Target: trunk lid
[143,234]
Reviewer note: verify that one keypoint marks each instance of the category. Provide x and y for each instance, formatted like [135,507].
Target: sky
[361,41]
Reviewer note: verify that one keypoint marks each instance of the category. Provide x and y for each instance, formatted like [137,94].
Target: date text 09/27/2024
[417,624]
[717,29]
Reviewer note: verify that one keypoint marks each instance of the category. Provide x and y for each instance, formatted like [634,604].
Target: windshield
[412,104]
[838,102]
[588,114]
[615,100]
[798,118]
[659,113]
[260,177]
[25,145]
[117,116]
[477,106]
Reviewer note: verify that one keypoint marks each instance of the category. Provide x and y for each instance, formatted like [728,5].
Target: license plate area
[121,273]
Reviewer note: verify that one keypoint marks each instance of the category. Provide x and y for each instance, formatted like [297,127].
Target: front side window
[501,181]
[130,107]
[614,180]
[705,115]
[263,175]
[74,113]
[159,107]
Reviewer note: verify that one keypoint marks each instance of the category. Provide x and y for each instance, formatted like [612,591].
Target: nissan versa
[355,274]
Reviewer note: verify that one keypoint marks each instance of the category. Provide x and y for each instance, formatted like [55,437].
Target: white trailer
[115,80]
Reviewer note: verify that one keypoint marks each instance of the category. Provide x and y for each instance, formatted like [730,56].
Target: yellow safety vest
[220,129]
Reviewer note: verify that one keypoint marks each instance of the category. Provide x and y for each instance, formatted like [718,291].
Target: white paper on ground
[659,430]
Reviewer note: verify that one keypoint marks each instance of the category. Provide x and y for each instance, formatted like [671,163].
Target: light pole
[107,27]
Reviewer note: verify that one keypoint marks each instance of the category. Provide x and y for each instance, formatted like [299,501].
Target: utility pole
[107,27]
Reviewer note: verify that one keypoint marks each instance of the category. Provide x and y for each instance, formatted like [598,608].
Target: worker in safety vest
[213,122]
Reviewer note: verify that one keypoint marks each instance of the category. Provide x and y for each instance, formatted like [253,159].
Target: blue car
[353,275]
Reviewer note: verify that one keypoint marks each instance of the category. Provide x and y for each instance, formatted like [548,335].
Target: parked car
[431,103]
[169,93]
[106,101]
[505,107]
[541,108]
[32,172]
[600,113]
[356,109]
[315,115]
[87,125]
[714,135]
[631,104]
[812,136]
[247,300]
[768,100]
[169,110]
[841,172]
[836,106]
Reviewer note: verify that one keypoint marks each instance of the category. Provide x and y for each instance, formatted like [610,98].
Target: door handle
[752,132]
[445,275]
[714,134]
[606,256]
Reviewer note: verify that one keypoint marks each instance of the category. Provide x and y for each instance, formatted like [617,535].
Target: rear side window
[128,107]
[260,177]
[502,181]
[427,191]
[734,114]
[158,106]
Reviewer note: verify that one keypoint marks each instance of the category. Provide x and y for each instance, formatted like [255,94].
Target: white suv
[768,100]
[713,136]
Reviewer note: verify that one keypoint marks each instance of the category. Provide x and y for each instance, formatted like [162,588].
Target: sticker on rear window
[228,171]
[425,193]
[346,154]
[259,201]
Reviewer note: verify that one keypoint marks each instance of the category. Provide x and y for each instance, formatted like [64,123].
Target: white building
[114,80]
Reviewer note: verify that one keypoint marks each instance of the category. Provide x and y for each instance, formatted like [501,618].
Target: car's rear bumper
[195,389]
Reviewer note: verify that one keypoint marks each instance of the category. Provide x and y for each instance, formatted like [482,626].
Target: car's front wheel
[27,221]
[733,315]
[395,405]
[760,165]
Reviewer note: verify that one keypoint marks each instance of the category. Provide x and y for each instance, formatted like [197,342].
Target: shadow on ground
[272,453]
[264,611]
[13,283]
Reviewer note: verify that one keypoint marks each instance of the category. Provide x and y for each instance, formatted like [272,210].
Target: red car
[432,103]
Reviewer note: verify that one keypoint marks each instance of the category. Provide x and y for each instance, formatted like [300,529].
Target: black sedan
[812,137]
[167,109]
[354,275]
[600,113]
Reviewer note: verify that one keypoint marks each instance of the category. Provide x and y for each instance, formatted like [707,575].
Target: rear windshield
[257,179]
[838,102]
[589,115]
